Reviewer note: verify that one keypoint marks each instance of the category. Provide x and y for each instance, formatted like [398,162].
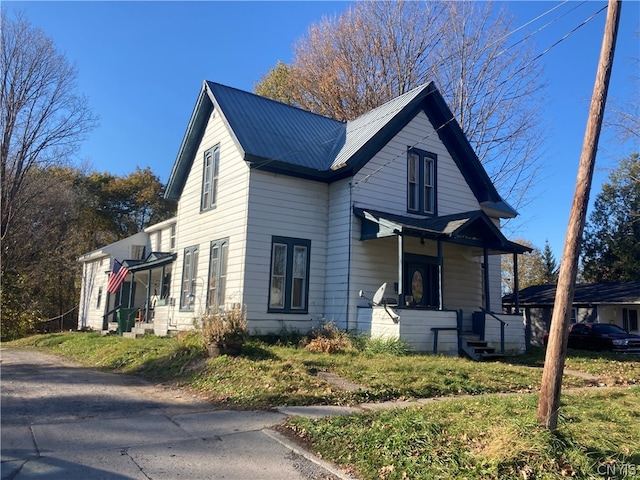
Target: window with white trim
[289,279]
[219,254]
[172,238]
[421,182]
[189,274]
[210,178]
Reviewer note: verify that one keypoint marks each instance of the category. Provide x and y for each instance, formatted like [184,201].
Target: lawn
[464,435]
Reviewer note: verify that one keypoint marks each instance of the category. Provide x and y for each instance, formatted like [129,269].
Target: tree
[550,273]
[611,243]
[43,120]
[624,114]
[378,50]
[531,269]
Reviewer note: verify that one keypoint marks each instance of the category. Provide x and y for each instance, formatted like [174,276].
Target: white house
[292,215]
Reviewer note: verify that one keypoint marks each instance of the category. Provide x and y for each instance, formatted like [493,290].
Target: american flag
[116,277]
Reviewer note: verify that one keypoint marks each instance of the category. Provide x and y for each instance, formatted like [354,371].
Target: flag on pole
[116,277]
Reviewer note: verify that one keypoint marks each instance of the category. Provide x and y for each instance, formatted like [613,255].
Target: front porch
[143,300]
[444,278]
[443,331]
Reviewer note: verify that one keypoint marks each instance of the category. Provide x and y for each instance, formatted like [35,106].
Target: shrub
[329,339]
[225,328]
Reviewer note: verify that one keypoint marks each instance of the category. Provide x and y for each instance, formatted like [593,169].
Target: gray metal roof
[274,131]
[283,139]
[364,128]
[585,293]
[469,228]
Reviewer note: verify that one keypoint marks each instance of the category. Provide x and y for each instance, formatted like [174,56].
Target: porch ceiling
[473,228]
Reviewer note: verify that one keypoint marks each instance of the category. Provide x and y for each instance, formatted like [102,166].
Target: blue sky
[141,65]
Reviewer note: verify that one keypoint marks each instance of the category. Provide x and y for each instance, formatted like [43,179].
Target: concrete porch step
[139,330]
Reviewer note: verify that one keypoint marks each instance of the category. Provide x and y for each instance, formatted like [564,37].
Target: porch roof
[473,228]
[154,260]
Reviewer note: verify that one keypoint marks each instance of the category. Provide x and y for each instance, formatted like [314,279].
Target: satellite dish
[378,296]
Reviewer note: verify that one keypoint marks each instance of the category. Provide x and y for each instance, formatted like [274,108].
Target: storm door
[421,282]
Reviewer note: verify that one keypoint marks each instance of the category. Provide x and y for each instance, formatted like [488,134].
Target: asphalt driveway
[61,420]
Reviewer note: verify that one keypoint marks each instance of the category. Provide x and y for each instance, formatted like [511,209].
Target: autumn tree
[377,50]
[611,241]
[43,119]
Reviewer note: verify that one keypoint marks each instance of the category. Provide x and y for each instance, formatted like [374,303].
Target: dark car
[603,336]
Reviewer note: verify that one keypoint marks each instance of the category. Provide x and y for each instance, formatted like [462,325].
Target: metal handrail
[502,325]
[458,329]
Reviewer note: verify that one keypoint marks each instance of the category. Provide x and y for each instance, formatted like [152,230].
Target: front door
[421,284]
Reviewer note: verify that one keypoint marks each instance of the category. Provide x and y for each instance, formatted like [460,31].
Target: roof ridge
[267,99]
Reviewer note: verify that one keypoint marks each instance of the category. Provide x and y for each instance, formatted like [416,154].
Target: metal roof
[585,293]
[283,139]
[274,131]
[364,128]
[470,228]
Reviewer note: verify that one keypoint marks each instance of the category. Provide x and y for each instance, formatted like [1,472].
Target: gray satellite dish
[379,295]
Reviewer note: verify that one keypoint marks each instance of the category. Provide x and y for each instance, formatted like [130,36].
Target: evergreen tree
[550,274]
[611,244]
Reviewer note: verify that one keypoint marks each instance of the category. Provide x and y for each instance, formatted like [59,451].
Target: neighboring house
[617,303]
[290,215]
[149,256]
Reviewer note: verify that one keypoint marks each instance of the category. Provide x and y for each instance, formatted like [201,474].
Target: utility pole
[558,333]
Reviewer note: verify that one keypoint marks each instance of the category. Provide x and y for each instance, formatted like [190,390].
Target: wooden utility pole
[558,332]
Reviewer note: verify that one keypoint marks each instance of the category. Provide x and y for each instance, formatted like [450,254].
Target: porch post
[133,279]
[105,317]
[400,271]
[146,306]
[440,277]
[487,290]
[516,287]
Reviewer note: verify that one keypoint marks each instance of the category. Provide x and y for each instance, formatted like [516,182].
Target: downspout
[487,290]
[516,286]
[440,277]
[400,268]
[350,240]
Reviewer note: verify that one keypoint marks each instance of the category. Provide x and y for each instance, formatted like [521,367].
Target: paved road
[63,421]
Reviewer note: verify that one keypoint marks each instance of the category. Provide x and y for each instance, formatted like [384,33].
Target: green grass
[477,436]
[485,437]
[268,374]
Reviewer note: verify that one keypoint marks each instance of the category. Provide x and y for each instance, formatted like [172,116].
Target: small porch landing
[442,332]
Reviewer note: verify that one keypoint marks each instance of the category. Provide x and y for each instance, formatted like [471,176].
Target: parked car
[600,336]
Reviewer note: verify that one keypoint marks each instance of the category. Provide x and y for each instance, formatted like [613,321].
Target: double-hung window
[289,287]
[219,254]
[210,178]
[421,184]
[189,275]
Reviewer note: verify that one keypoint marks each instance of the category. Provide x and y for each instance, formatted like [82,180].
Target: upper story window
[137,252]
[421,182]
[189,275]
[210,178]
[218,273]
[172,238]
[289,288]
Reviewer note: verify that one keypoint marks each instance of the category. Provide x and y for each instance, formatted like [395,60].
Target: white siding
[414,328]
[288,207]
[227,220]
[339,281]
[94,278]
[382,183]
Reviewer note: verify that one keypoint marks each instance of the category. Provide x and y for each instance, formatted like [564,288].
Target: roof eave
[189,145]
